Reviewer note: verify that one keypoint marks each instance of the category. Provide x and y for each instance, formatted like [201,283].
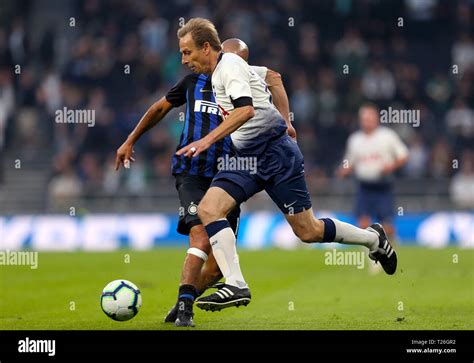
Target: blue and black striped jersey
[202,116]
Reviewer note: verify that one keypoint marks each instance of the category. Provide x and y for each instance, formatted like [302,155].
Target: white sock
[223,242]
[346,233]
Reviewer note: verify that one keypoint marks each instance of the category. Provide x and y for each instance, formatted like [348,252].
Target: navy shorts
[376,201]
[279,171]
[191,189]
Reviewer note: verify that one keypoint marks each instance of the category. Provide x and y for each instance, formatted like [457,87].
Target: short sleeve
[236,78]
[177,95]
[261,71]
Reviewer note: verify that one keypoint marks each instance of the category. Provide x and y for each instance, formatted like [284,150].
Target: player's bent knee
[208,213]
[204,210]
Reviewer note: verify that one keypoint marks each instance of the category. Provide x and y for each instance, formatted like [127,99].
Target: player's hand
[194,149]
[291,131]
[124,155]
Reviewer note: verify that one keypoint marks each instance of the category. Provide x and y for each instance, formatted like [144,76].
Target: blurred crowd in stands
[118,57]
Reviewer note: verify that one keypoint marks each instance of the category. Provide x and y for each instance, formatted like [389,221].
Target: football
[121,300]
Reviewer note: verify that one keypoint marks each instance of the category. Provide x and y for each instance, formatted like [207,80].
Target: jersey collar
[220,57]
[218,60]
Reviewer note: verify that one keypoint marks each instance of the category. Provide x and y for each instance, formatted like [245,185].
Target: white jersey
[234,81]
[261,71]
[369,154]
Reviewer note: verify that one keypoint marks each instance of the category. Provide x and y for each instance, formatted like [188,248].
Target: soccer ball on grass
[121,300]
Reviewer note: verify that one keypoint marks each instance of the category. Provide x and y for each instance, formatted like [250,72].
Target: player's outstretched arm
[236,118]
[280,98]
[151,117]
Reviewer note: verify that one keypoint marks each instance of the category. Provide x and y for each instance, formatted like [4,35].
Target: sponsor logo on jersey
[207,107]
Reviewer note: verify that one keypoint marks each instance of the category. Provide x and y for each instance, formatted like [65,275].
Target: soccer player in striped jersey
[257,131]
[193,176]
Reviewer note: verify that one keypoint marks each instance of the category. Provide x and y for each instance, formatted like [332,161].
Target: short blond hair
[202,31]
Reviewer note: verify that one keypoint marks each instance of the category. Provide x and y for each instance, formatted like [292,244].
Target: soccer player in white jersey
[257,131]
[373,154]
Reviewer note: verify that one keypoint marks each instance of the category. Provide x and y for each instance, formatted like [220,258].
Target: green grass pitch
[290,290]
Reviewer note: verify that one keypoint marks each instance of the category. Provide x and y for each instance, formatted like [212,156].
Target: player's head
[236,46]
[198,39]
[369,116]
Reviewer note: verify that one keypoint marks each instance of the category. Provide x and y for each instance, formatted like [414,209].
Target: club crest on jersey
[193,209]
[207,107]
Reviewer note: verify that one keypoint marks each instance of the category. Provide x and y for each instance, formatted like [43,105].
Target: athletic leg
[310,229]
[199,272]
[191,189]
[288,190]
[209,275]
[196,256]
[213,209]
[228,190]
[201,269]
